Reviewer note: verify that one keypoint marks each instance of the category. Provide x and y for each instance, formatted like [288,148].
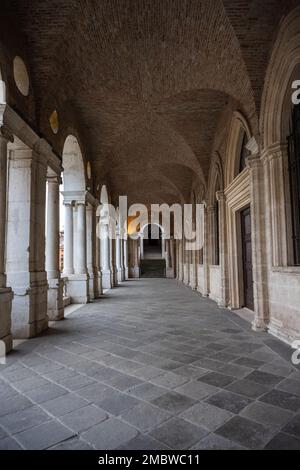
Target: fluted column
[5,292]
[68,239]
[55,292]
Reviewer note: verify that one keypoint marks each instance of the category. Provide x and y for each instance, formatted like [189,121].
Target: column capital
[54,179]
[220,195]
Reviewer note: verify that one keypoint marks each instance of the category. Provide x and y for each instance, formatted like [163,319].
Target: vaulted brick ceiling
[146,81]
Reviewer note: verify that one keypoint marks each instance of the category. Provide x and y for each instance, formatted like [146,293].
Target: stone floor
[150,366]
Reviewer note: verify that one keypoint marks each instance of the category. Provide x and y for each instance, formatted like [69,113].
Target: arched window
[294,178]
[244,152]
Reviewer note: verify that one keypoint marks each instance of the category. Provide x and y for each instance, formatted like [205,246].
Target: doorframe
[238,197]
[242,260]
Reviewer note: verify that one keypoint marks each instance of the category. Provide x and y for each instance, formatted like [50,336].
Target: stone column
[224,297]
[78,283]
[181,260]
[126,257]
[142,247]
[134,267]
[6,295]
[163,248]
[98,256]
[81,249]
[206,250]
[105,258]
[55,283]
[119,258]
[91,251]
[68,239]
[173,256]
[259,249]
[26,272]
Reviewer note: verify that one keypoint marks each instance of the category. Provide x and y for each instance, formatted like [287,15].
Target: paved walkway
[150,366]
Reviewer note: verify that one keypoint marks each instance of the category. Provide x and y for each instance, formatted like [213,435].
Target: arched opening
[73,223]
[152,251]
[152,241]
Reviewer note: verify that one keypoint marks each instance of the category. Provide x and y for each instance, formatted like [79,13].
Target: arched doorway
[152,252]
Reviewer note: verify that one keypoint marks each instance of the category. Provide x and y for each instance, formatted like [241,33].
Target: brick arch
[276,101]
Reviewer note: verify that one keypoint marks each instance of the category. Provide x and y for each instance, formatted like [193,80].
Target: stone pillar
[206,250]
[163,248]
[134,267]
[193,272]
[119,258]
[122,259]
[105,258]
[259,251]
[91,251]
[126,257]
[98,256]
[55,283]
[142,247]
[78,283]
[6,294]
[68,239]
[181,260]
[186,264]
[81,250]
[26,272]
[173,256]
[224,297]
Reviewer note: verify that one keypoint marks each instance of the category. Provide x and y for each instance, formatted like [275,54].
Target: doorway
[248,300]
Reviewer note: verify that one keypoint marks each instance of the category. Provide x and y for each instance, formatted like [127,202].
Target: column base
[78,288]
[99,283]
[92,282]
[126,274]
[29,307]
[121,275]
[55,299]
[170,273]
[6,297]
[107,279]
[259,325]
[135,272]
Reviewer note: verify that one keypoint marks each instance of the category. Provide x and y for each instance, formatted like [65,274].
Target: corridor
[151,365]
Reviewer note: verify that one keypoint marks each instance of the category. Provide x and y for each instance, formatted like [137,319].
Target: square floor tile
[24,419]
[282,400]
[84,418]
[293,427]
[64,404]
[247,388]
[229,401]
[206,415]
[173,402]
[145,417]
[110,434]
[266,414]
[246,433]
[44,436]
[216,379]
[178,434]
[197,390]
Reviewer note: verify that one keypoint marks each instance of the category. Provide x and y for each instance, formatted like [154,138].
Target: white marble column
[119,258]
[126,257]
[25,264]
[80,249]
[91,245]
[5,292]
[68,239]
[142,247]
[134,267]
[105,258]
[55,292]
